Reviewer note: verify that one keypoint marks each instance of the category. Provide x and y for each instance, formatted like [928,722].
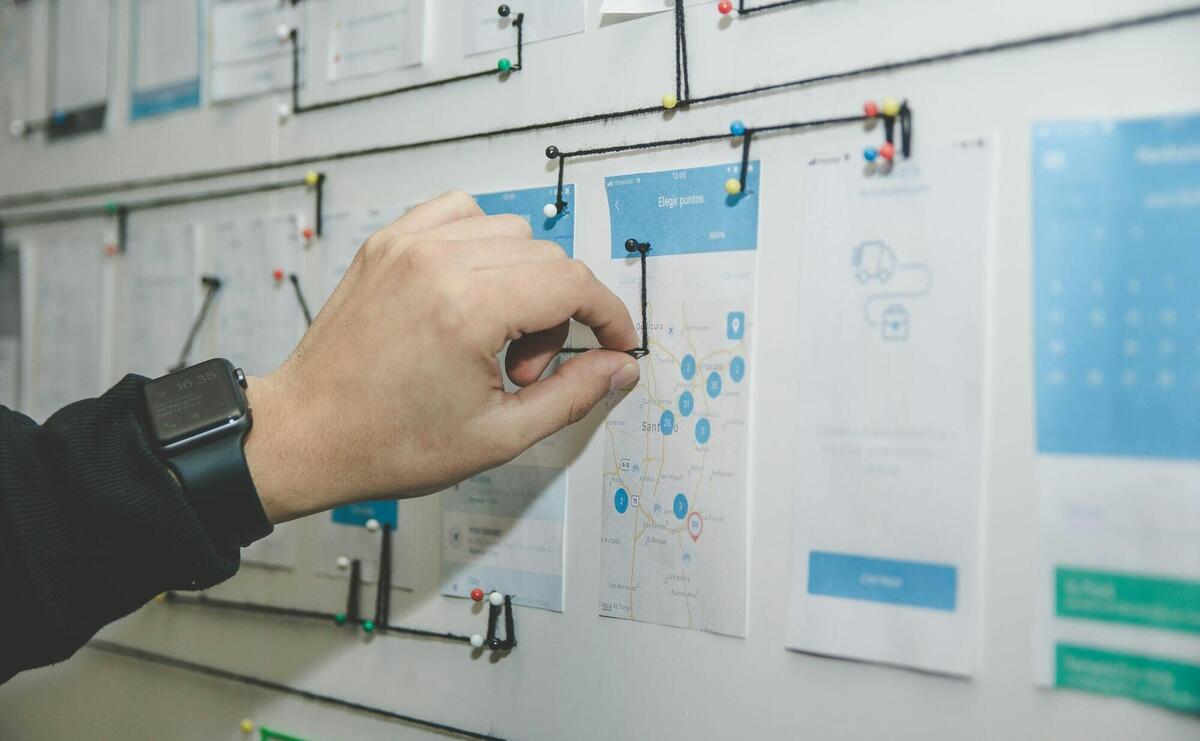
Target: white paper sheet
[1117,348]
[81,53]
[259,319]
[16,31]
[643,7]
[367,37]
[166,56]
[158,295]
[344,233]
[676,468]
[67,324]
[10,366]
[485,30]
[248,57]
[503,530]
[886,546]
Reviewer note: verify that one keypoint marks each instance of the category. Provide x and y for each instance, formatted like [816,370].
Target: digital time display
[191,401]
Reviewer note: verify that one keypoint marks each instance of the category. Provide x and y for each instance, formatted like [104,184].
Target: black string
[683,90]
[267,684]
[745,159]
[295,279]
[122,211]
[295,612]
[642,248]
[383,587]
[211,284]
[493,641]
[353,615]
[298,107]
[743,10]
[967,52]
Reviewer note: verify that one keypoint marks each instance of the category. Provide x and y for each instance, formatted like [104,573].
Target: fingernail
[626,376]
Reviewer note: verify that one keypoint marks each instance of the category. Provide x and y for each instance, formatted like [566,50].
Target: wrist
[276,453]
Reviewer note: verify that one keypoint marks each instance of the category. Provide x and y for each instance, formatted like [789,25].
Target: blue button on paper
[911,583]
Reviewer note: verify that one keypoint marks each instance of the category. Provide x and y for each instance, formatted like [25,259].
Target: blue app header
[385,512]
[528,204]
[684,212]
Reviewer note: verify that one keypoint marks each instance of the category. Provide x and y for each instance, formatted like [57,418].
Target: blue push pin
[737,128]
[870,153]
[59,117]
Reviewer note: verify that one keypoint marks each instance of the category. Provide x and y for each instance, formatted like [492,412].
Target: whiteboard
[575,675]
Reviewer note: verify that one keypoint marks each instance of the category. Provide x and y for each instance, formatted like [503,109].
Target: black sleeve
[92,525]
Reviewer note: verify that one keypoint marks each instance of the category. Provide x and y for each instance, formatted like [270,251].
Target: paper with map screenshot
[673,522]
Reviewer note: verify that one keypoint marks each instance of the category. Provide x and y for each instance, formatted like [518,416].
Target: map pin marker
[695,525]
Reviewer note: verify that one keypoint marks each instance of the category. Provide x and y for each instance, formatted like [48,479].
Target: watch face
[191,401]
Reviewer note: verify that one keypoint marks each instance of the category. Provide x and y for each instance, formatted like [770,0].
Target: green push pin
[111,207]
[504,64]
[368,626]
[340,618]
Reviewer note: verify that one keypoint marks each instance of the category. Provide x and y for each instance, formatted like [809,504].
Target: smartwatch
[197,419]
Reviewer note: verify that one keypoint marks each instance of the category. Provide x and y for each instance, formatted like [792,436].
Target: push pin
[870,109]
[476,641]
[311,178]
[17,127]
[160,597]
[372,525]
[551,152]
[246,726]
[59,117]
[504,64]
[870,153]
[343,563]
[368,626]
[496,599]
[477,594]
[733,186]
[110,249]
[277,274]
[308,233]
[340,618]
[887,151]
[283,112]
[503,11]
[111,207]
[737,128]
[724,7]
[283,31]
[550,210]
[669,101]
[891,107]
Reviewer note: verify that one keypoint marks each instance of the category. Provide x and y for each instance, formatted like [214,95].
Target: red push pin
[870,110]
[307,233]
[110,249]
[725,7]
[887,151]
[477,594]
[278,273]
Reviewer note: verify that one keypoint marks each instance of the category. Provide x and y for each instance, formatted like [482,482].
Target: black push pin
[504,11]
[551,152]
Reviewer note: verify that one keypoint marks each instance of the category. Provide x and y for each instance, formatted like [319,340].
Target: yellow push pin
[311,177]
[247,725]
[669,101]
[733,186]
[891,107]
[160,597]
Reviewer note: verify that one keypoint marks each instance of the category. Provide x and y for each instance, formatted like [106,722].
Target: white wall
[575,675]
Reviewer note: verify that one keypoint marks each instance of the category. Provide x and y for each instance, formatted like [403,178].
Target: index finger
[538,296]
[450,206]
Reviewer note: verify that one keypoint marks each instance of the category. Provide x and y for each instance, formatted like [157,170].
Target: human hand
[395,390]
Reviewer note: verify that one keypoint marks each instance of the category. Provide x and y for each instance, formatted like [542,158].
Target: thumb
[547,406]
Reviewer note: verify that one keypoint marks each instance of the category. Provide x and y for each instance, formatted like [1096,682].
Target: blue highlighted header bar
[528,204]
[912,583]
[386,512]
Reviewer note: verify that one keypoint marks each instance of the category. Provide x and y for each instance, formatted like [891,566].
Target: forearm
[92,525]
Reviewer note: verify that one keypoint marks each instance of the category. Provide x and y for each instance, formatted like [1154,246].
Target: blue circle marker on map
[686,403]
[713,387]
[666,422]
[703,429]
[621,501]
[680,506]
[737,368]
[687,368]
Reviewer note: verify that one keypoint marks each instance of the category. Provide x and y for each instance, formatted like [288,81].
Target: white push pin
[283,112]
[496,598]
[17,127]
[550,210]
[343,562]
[284,32]
[477,641]
[372,525]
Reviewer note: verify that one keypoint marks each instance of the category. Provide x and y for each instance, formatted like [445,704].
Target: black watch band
[217,482]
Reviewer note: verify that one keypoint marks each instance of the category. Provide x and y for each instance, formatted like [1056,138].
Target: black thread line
[681,56]
[746,137]
[743,10]
[383,585]
[295,279]
[211,284]
[267,684]
[559,203]
[298,107]
[33,197]
[353,614]
[642,248]
[300,613]
[678,60]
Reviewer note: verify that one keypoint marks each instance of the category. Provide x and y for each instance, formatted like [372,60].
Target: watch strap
[217,481]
